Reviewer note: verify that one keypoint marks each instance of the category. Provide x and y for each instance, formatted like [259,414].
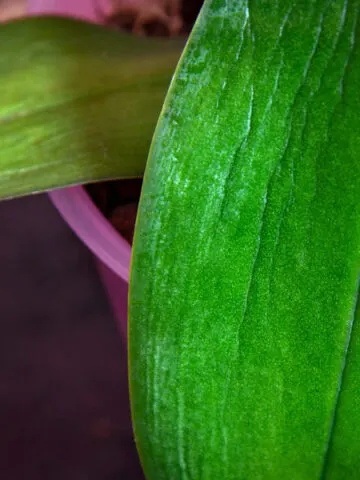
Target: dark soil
[118,200]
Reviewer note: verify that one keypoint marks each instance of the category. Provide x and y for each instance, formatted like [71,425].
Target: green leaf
[78,102]
[244,342]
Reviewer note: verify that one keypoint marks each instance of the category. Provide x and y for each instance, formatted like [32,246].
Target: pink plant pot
[112,252]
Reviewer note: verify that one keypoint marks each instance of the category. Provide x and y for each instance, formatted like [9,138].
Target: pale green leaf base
[78,102]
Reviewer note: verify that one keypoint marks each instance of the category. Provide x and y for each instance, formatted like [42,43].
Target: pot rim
[91,226]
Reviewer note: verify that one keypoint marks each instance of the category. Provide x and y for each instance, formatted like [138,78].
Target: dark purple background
[64,411]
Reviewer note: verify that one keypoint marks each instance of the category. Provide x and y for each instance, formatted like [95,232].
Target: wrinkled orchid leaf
[244,329]
[78,102]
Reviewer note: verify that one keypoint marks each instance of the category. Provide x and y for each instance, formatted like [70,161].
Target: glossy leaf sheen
[78,102]
[244,333]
